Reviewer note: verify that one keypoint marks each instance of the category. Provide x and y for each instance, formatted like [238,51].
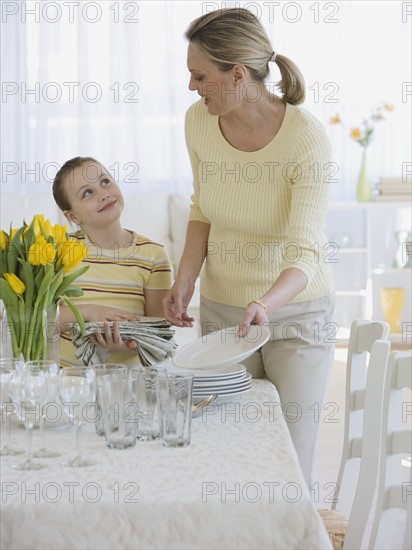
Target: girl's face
[96,200]
[218,89]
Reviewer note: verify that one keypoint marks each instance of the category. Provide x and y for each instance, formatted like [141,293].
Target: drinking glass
[51,371]
[120,414]
[145,390]
[176,409]
[7,367]
[104,369]
[29,390]
[77,388]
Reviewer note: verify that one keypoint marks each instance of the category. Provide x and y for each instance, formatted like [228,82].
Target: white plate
[225,392]
[230,372]
[222,382]
[222,387]
[220,349]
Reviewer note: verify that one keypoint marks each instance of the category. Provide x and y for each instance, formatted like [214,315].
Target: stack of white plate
[228,381]
[214,361]
[225,381]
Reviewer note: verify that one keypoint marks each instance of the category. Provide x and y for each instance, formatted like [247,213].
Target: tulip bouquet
[36,271]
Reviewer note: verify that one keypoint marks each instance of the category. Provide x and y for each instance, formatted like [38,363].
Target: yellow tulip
[4,240]
[16,284]
[41,252]
[356,134]
[41,227]
[60,234]
[70,253]
[388,107]
[47,228]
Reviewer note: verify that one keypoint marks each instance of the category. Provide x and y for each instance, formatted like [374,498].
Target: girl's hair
[59,193]
[234,35]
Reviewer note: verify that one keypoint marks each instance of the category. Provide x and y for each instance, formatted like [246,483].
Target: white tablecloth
[237,485]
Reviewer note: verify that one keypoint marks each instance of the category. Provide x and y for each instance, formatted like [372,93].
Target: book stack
[394,189]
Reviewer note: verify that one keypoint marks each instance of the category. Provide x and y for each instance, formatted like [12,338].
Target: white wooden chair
[394,485]
[364,336]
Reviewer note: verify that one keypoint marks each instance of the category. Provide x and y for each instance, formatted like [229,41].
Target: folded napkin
[154,338]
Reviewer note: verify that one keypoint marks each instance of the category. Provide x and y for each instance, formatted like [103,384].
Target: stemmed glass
[29,390]
[51,370]
[77,388]
[7,367]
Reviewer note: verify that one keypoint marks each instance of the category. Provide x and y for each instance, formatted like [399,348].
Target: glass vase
[364,186]
[31,334]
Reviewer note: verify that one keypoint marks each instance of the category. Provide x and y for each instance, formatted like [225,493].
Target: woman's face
[95,199]
[218,89]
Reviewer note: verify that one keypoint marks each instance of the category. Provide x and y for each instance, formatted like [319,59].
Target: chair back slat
[368,333]
[404,374]
[368,445]
[394,493]
[363,334]
[400,443]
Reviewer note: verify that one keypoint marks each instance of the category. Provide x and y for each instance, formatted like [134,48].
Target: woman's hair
[233,36]
[59,193]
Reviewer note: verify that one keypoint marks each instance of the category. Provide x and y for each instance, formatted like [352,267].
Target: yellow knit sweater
[266,208]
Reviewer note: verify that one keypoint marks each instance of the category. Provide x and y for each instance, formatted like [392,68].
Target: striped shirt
[117,277]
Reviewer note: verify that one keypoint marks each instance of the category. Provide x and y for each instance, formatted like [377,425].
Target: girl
[128,274]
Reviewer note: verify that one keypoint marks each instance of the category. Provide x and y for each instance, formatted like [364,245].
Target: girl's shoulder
[142,240]
[80,235]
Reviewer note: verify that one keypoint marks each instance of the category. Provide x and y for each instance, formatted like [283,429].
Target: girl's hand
[111,338]
[105,313]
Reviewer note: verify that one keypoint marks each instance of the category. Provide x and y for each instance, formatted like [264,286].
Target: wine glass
[29,390]
[7,367]
[51,370]
[77,388]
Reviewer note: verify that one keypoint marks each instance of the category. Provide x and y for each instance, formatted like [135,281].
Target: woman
[258,214]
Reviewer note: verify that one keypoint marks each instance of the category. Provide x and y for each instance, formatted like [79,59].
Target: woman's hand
[176,302]
[255,314]
[111,339]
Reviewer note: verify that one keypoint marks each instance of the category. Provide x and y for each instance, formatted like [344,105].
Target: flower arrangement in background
[364,133]
[36,263]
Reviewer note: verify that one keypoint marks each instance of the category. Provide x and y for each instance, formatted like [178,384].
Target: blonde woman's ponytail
[292,83]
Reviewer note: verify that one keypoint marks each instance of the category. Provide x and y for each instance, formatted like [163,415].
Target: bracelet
[261,304]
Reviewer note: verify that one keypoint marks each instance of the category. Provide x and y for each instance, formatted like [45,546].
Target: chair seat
[335,523]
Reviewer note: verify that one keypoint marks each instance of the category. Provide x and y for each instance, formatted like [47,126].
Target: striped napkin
[153,335]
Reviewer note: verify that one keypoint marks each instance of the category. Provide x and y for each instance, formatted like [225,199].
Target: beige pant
[297,359]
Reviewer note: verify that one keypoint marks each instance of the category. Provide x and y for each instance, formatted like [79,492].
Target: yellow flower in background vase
[355,134]
[335,119]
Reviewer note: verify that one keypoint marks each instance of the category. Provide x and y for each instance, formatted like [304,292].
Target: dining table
[238,484]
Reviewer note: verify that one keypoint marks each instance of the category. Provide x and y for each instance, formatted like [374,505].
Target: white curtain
[109,79]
